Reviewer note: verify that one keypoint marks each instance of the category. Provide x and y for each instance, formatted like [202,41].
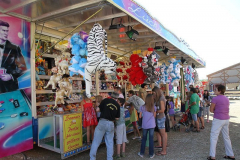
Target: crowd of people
[152,112]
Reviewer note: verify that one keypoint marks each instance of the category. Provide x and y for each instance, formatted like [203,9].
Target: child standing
[89,117]
[148,114]
[171,111]
[121,130]
[134,119]
[98,100]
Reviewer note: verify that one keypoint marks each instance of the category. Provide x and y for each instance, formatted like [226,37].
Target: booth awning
[62,16]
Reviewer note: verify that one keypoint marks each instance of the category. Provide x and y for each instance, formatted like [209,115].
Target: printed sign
[72,131]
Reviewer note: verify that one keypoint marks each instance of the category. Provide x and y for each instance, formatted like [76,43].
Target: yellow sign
[72,131]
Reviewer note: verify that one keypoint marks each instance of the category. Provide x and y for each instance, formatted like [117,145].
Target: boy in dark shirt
[110,111]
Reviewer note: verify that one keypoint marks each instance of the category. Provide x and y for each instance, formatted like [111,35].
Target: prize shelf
[108,80]
[106,90]
[49,55]
[148,90]
[53,102]
[73,78]
[50,91]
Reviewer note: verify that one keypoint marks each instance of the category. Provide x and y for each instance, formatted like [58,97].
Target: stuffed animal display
[62,63]
[65,89]
[123,71]
[136,74]
[150,67]
[79,49]
[189,76]
[174,71]
[163,74]
[96,58]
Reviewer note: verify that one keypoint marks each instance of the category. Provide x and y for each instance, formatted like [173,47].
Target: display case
[62,133]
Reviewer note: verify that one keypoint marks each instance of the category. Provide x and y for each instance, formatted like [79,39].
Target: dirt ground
[181,145]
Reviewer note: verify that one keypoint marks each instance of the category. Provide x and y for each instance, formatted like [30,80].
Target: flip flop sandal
[160,154]
[202,127]
[158,147]
[228,157]
[210,158]
[196,131]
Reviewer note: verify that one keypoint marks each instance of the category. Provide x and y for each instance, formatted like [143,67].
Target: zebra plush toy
[97,59]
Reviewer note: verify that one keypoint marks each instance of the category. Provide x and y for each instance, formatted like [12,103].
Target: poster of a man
[12,63]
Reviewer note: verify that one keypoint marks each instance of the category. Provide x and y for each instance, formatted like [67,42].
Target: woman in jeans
[148,114]
[220,108]
[160,101]
[207,99]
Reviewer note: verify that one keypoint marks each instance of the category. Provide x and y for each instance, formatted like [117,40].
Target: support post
[167,89]
[33,72]
[97,82]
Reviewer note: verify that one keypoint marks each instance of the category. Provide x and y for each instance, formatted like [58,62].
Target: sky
[210,27]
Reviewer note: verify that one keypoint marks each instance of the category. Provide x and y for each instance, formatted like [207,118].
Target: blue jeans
[104,128]
[144,139]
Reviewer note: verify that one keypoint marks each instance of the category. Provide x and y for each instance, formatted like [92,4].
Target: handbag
[167,124]
[140,122]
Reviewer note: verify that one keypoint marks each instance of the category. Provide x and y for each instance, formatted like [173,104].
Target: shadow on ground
[182,145]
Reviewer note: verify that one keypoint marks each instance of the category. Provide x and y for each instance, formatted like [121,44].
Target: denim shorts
[200,113]
[194,117]
[161,123]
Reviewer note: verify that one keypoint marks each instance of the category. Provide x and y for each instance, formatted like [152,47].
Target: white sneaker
[152,156]
[134,138]
[140,155]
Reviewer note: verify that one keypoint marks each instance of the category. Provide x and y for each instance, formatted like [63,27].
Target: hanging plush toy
[189,76]
[97,59]
[151,68]
[136,74]
[102,75]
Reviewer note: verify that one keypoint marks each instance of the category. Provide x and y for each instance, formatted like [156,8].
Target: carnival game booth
[53,41]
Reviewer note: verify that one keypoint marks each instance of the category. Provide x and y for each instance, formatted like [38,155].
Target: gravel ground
[182,145]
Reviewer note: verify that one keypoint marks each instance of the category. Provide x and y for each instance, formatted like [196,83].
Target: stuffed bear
[103,86]
[102,75]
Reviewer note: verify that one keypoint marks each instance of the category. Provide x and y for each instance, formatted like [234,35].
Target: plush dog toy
[54,79]
[63,67]
[60,95]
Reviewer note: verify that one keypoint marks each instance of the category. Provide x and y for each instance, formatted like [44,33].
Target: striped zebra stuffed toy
[97,59]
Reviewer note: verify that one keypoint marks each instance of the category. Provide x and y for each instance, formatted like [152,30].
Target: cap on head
[115,95]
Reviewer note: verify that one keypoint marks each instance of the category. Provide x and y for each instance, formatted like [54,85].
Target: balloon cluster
[79,49]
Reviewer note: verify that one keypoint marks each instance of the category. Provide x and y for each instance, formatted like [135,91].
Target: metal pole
[70,32]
